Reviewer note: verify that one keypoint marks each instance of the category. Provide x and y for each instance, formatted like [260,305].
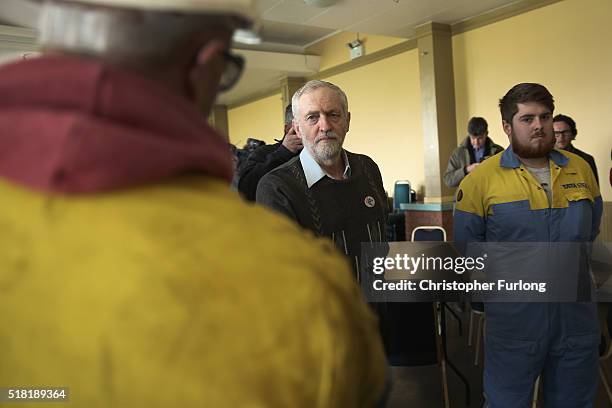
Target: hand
[471,167]
[292,141]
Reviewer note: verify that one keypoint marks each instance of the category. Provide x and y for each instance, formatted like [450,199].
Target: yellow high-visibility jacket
[178,294]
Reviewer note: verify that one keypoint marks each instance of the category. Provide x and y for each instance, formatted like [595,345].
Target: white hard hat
[245,9]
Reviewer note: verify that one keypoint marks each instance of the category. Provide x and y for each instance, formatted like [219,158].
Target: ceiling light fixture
[246,37]
[320,3]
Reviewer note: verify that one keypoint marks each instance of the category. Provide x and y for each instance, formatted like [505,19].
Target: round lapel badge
[369,201]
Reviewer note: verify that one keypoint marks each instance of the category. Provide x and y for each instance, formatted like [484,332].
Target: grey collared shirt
[314,172]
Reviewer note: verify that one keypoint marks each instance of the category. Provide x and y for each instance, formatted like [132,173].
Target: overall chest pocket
[512,222]
[573,196]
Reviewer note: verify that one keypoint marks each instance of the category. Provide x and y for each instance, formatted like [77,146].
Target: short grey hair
[147,37]
[309,87]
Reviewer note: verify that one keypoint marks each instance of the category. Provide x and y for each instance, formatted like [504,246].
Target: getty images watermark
[493,272]
[458,265]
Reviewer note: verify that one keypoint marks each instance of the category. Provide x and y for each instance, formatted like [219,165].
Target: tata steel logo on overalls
[575,185]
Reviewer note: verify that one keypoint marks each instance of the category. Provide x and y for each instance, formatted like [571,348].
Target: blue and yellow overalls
[502,202]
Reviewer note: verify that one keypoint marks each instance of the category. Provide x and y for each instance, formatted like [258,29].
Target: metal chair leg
[479,336]
[471,328]
[606,383]
[536,390]
[445,384]
[456,316]
[438,311]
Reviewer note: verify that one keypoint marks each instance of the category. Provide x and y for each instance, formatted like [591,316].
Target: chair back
[428,233]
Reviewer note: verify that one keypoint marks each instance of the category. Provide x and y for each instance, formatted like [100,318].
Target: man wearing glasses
[129,272]
[565,132]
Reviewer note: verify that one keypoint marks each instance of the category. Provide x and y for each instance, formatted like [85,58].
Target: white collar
[313,172]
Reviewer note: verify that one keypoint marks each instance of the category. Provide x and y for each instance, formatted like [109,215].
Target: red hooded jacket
[74,126]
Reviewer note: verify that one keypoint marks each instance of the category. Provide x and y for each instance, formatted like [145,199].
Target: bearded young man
[533,193]
[129,271]
[335,193]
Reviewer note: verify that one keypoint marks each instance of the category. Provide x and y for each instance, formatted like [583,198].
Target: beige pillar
[218,120]
[288,88]
[437,106]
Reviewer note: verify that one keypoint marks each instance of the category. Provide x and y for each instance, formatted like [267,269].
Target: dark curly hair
[524,93]
[477,126]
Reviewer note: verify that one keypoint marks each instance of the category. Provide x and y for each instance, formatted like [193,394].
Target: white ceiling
[395,18]
[290,26]
[294,25]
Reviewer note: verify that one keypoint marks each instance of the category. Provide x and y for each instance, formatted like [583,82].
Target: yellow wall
[384,100]
[262,119]
[333,51]
[564,46]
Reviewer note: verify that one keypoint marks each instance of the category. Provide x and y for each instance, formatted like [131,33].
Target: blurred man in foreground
[129,272]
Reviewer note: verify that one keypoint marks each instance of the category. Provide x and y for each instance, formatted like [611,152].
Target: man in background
[129,272]
[565,133]
[476,147]
[268,157]
[532,193]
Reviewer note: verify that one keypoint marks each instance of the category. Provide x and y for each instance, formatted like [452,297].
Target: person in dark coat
[268,157]
[565,133]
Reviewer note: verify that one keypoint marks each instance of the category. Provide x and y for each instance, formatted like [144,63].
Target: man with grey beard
[531,193]
[326,189]
[339,195]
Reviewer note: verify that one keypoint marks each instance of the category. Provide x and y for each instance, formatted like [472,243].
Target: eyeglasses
[566,133]
[234,65]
